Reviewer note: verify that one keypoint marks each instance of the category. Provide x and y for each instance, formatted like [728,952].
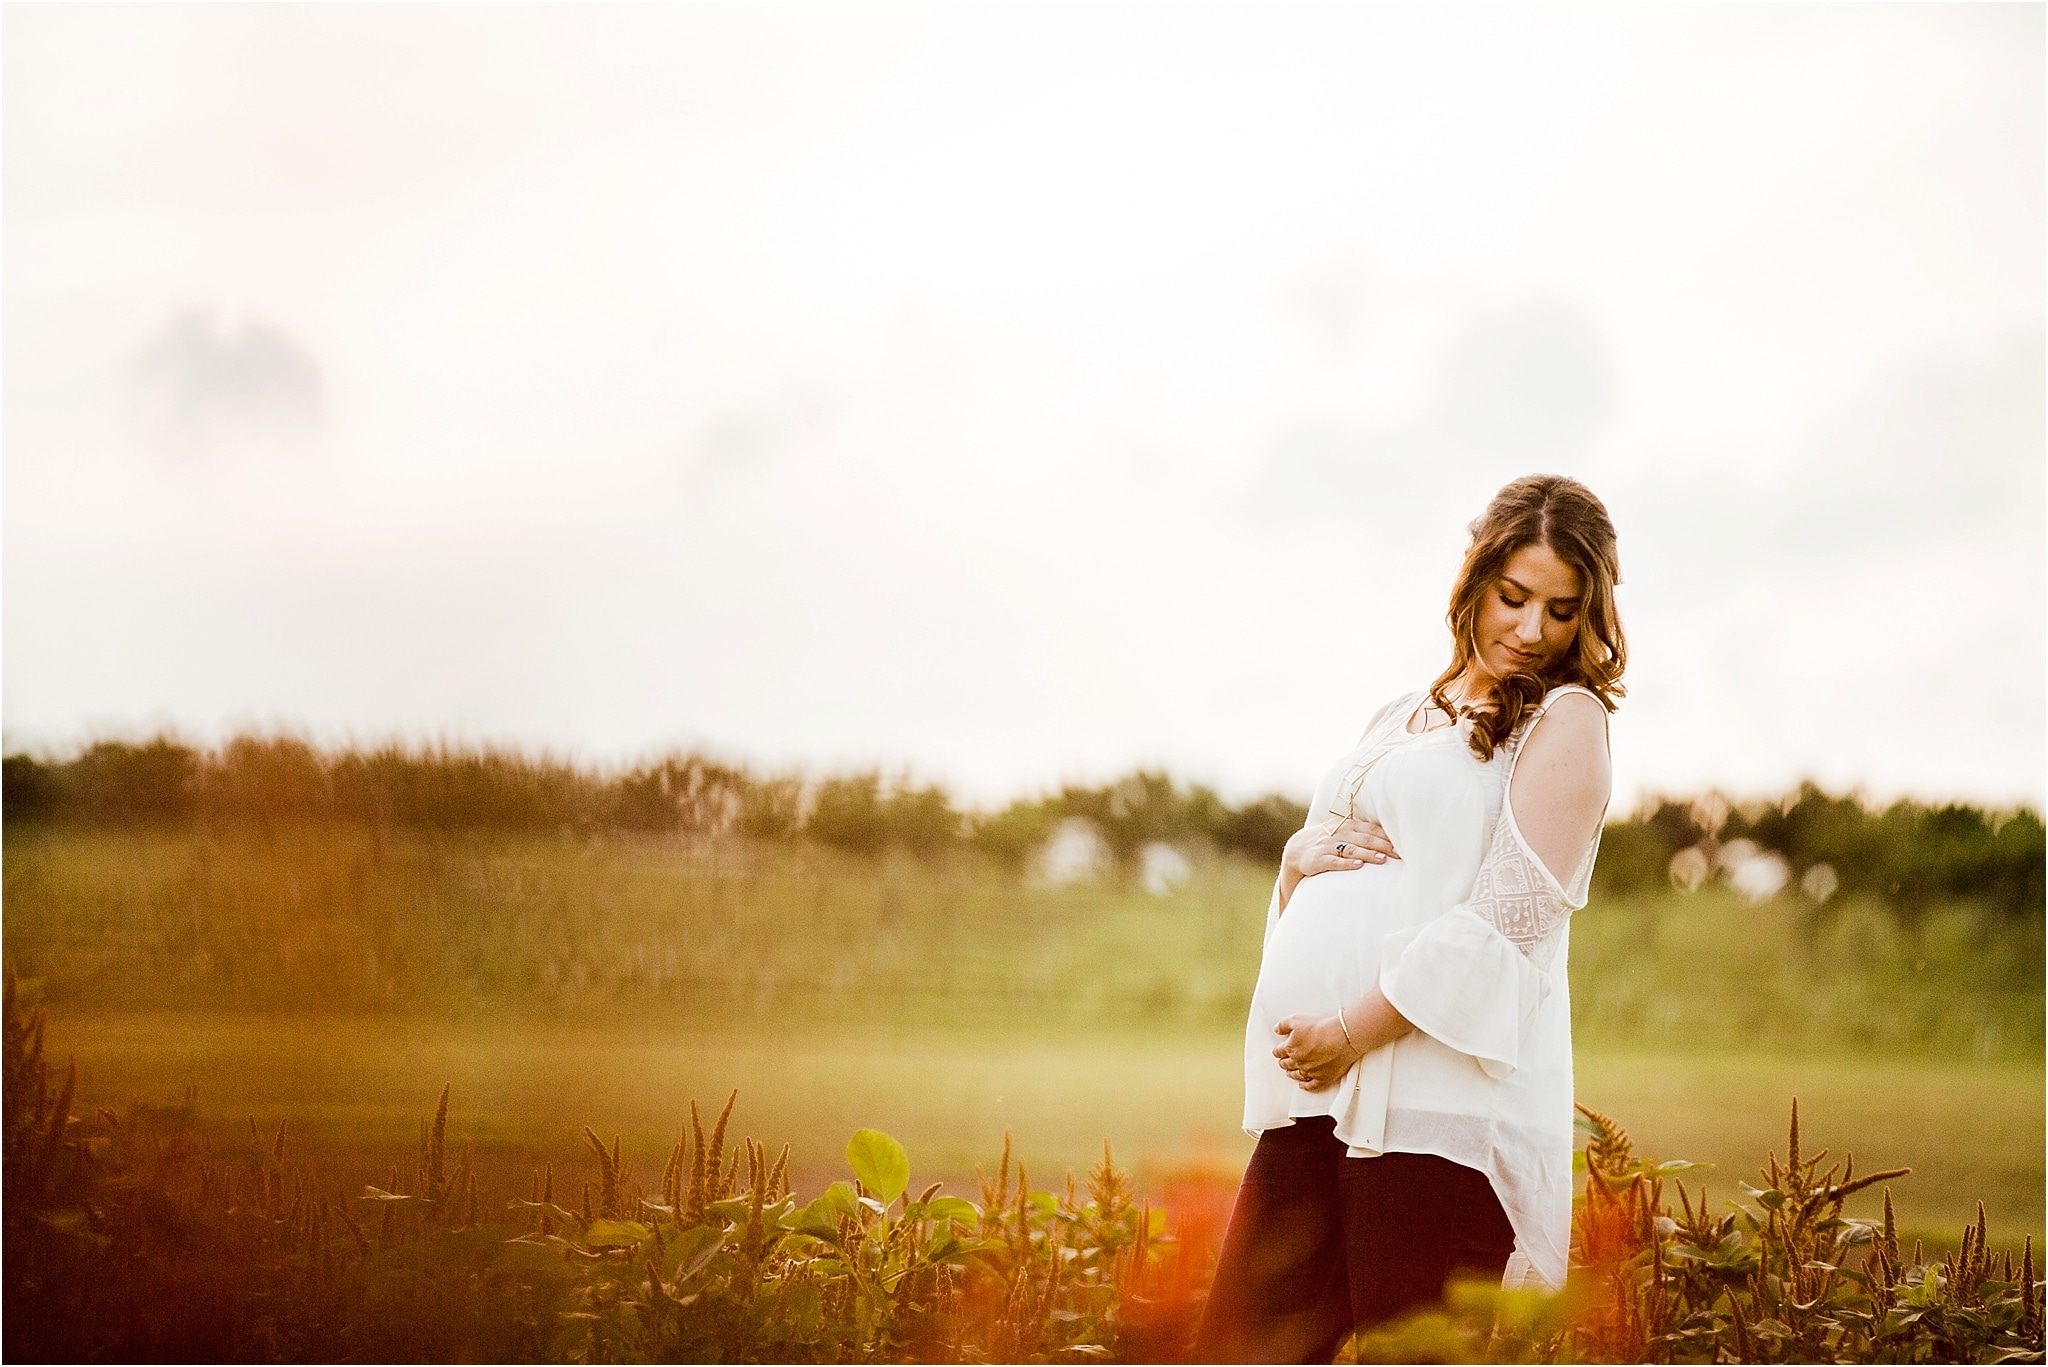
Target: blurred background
[612,553]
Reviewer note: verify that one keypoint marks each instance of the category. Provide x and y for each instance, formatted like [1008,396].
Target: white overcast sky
[1008,394]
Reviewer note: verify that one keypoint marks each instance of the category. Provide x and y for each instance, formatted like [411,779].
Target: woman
[1408,1056]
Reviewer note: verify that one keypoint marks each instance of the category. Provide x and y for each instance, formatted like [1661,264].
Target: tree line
[1907,855]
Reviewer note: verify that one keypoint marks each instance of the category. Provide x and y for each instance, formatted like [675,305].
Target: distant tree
[846,812]
[921,820]
[1908,856]
[31,789]
[1676,824]
[116,783]
[1260,829]
[445,788]
[1012,835]
[642,801]
[275,778]
[678,793]
[2019,860]
[1635,858]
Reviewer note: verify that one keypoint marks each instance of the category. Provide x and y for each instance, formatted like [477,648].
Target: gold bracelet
[1347,1030]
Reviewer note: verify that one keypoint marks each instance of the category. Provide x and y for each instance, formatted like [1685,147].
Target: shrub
[130,1238]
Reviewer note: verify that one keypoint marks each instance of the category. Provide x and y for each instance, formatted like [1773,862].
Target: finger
[1367,840]
[1369,834]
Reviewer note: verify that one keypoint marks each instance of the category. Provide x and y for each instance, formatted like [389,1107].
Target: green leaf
[615,1233]
[544,1207]
[960,1212]
[695,1248]
[820,1219]
[732,1209]
[814,1226]
[879,1162]
[805,1308]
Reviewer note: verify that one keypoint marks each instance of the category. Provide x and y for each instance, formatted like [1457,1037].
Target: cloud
[1533,380]
[739,443]
[1948,439]
[1516,390]
[1333,304]
[202,385]
[1937,446]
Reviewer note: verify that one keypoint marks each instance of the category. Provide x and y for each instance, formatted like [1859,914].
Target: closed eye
[1561,615]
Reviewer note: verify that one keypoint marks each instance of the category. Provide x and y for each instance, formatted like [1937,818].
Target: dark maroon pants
[1320,1244]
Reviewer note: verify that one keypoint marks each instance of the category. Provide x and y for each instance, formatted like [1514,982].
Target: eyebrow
[1528,592]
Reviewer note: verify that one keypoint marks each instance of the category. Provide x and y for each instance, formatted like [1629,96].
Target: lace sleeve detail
[1476,976]
[1516,895]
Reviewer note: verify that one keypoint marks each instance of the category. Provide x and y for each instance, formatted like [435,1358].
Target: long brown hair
[1562,514]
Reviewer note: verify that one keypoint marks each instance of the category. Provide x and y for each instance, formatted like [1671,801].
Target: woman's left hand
[1313,1050]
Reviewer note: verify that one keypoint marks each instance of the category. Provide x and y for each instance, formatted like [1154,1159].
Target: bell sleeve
[1474,976]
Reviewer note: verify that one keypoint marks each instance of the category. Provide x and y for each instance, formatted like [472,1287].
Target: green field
[354,1089]
[299,918]
[336,976]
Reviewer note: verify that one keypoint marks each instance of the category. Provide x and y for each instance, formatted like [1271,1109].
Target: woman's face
[1529,616]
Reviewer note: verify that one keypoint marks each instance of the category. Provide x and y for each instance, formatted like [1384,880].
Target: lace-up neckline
[1422,710]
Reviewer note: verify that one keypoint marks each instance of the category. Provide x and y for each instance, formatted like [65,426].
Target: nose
[1530,627]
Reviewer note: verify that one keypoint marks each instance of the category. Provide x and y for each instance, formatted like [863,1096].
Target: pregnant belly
[1325,951]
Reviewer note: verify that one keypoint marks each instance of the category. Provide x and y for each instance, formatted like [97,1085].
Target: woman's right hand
[1341,843]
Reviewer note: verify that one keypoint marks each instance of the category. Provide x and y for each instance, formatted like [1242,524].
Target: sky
[1006,395]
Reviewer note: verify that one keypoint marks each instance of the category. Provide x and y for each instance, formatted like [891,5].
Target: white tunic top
[1466,935]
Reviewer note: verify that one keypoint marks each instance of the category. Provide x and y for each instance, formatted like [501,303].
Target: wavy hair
[1562,514]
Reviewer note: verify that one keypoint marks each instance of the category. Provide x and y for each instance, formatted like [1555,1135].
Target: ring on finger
[1340,848]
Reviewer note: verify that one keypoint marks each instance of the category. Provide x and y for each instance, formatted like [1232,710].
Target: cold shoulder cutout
[1561,780]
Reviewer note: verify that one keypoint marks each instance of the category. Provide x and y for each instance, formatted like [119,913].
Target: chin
[1502,668]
